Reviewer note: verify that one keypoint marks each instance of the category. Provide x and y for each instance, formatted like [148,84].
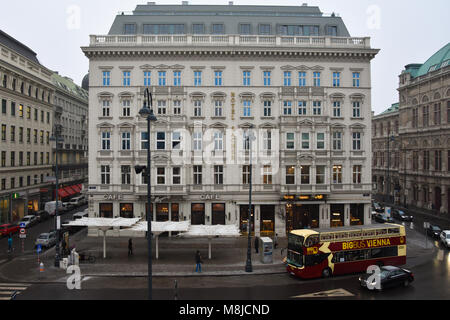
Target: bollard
[176,290]
[41,267]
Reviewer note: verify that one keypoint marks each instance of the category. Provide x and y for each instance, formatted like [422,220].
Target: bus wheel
[326,273]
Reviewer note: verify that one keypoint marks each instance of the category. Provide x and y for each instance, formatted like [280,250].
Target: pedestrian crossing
[8,290]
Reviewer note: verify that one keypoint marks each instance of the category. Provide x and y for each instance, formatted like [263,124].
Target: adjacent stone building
[293,74]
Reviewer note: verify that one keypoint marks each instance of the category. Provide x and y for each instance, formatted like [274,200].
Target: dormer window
[130,29]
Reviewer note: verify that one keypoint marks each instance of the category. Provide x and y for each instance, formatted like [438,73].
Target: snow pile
[103,222]
[212,231]
[160,227]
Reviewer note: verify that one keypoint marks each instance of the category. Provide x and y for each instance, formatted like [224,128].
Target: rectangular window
[316,79]
[28,135]
[177,107]
[304,174]
[336,79]
[162,110]
[356,109]
[245,174]
[197,141]
[197,108]
[218,108]
[106,140]
[317,108]
[320,141]
[126,108]
[356,76]
[21,134]
[437,113]
[198,28]
[147,78]
[437,160]
[264,29]
[337,141]
[287,78]
[356,140]
[305,140]
[426,116]
[218,29]
[3,132]
[290,140]
[302,79]
[287,108]
[267,78]
[218,175]
[267,140]
[302,108]
[160,175]
[357,174]
[126,140]
[267,175]
[290,175]
[177,78]
[28,112]
[246,78]
[126,174]
[267,108]
[320,174]
[126,78]
[13,133]
[21,110]
[161,78]
[105,175]
[218,141]
[217,78]
[337,174]
[144,140]
[176,175]
[13,159]
[197,78]
[3,159]
[247,108]
[198,175]
[3,106]
[176,140]
[106,78]
[130,29]
[160,140]
[336,109]
[13,108]
[106,108]
[244,29]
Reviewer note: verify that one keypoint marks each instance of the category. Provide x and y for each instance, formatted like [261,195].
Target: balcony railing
[228,40]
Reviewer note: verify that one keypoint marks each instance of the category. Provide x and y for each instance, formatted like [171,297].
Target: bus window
[326,237]
[368,233]
[355,234]
[394,231]
[312,240]
[295,242]
[341,235]
[381,232]
[315,259]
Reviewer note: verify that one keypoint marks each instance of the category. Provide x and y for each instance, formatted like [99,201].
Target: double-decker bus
[315,253]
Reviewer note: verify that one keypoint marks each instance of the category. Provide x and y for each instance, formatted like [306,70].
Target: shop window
[337,215]
[267,221]
[126,210]
[162,212]
[198,214]
[244,219]
[106,210]
[356,214]
[175,212]
[218,214]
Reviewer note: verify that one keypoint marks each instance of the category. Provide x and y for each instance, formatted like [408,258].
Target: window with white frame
[247,108]
[336,79]
[356,77]
[162,110]
[316,79]
[267,108]
[302,79]
[126,140]
[218,174]
[126,108]
[287,107]
[176,175]
[197,78]
[197,108]
[320,141]
[305,140]
[302,108]
[144,140]
[177,78]
[267,78]
[320,174]
[357,174]
[246,140]
[290,140]
[106,108]
[290,175]
[147,78]
[106,78]
[126,174]
[162,78]
[197,140]
[267,174]
[218,108]
[177,107]
[356,140]
[161,176]
[287,78]
[356,109]
[246,174]
[105,175]
[218,140]
[106,140]
[305,174]
[336,109]
[246,76]
[176,140]
[160,140]
[126,78]
[218,78]
[337,140]
[198,175]
[337,174]
[317,108]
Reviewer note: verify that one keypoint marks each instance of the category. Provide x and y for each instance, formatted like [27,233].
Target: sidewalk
[176,258]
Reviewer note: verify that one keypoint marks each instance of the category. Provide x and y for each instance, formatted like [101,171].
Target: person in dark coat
[198,261]
[256,244]
[130,247]
[9,244]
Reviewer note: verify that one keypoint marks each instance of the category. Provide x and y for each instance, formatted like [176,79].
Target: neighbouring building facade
[71,111]
[26,118]
[420,176]
[291,76]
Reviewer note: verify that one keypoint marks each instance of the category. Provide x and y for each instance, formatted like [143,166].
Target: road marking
[326,294]
[15,284]
[8,289]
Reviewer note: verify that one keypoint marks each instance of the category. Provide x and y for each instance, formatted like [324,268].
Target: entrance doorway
[244,219]
[198,214]
[218,214]
[302,216]
[267,226]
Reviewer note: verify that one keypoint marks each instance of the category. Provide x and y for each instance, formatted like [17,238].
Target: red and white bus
[315,253]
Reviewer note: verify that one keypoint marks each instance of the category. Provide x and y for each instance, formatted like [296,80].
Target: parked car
[390,276]
[80,215]
[8,229]
[42,215]
[50,207]
[378,207]
[29,221]
[78,201]
[68,206]
[445,238]
[46,240]
[402,216]
[433,231]
[382,218]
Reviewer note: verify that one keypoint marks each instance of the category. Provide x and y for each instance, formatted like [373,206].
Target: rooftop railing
[228,40]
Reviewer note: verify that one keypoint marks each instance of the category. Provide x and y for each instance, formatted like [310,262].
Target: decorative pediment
[218,125]
[305,157]
[218,94]
[337,126]
[177,67]
[198,95]
[162,66]
[247,95]
[160,122]
[302,68]
[126,94]
[267,125]
[246,125]
[105,95]
[287,67]
[146,67]
[337,95]
[105,125]
[357,96]
[358,126]
[197,125]
[125,125]
[317,68]
[305,122]
[267,96]
[160,158]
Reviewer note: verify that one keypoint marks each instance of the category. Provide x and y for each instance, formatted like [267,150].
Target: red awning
[69,191]
[80,186]
[75,190]
[62,193]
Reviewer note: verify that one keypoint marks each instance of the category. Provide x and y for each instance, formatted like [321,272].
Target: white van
[50,207]
[78,201]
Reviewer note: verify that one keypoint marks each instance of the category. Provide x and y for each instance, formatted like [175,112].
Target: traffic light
[140,169]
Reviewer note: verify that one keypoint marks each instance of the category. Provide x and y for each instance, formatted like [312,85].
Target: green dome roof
[436,61]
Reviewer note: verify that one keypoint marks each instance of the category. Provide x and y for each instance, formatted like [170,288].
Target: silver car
[46,240]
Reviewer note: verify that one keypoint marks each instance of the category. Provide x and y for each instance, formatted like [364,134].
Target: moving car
[402,216]
[390,276]
[7,229]
[382,218]
[433,231]
[46,240]
[378,207]
[78,201]
[42,215]
[445,238]
[29,221]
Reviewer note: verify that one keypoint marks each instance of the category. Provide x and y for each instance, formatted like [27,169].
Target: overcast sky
[406,31]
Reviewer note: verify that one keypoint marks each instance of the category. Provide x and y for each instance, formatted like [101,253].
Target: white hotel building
[292,73]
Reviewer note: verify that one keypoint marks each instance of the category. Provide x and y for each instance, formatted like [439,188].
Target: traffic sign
[22,236]
[22,224]
[39,248]
[23,231]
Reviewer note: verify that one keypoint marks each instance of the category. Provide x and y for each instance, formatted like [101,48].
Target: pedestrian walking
[257,244]
[275,241]
[9,244]
[198,261]
[130,247]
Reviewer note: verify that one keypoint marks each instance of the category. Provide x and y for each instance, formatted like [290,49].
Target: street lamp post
[147,112]
[248,265]
[57,138]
